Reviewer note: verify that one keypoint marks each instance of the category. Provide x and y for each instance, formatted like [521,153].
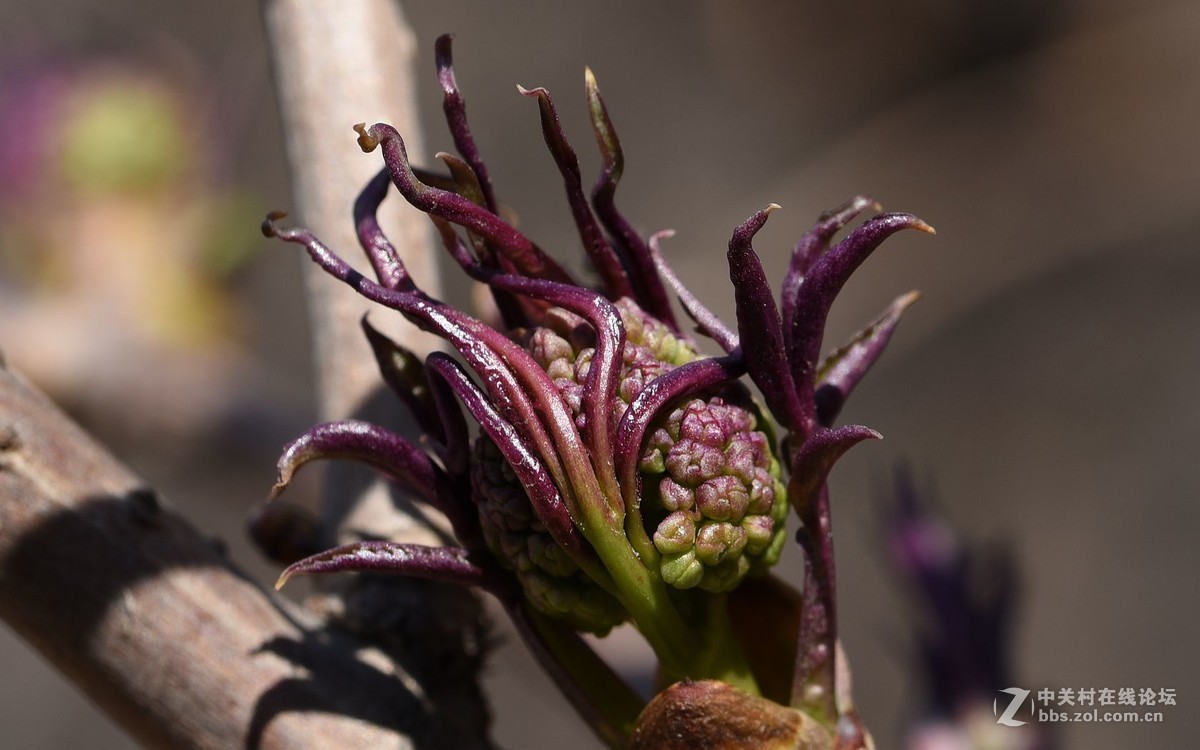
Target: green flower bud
[552,582]
[709,463]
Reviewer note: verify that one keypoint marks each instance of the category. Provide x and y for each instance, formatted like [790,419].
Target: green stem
[721,656]
[706,649]
[603,699]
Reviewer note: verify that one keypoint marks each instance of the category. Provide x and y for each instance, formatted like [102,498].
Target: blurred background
[1044,389]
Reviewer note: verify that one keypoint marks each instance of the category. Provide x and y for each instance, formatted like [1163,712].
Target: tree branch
[148,619]
[337,64]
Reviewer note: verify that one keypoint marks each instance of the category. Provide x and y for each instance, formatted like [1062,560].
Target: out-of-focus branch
[147,618]
[337,64]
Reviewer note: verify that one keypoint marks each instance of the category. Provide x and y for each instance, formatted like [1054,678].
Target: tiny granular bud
[676,534]
[719,471]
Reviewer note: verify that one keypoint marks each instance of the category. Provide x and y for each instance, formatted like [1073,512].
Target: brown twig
[147,618]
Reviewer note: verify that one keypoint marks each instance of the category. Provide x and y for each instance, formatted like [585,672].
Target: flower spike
[685,380]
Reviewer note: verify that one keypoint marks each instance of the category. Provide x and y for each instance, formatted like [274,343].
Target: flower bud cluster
[551,580]
[712,498]
[719,486]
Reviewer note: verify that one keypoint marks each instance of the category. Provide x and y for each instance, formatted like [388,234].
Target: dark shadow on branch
[369,694]
[80,562]
[64,576]
[390,614]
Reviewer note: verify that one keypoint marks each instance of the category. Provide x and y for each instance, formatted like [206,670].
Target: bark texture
[144,614]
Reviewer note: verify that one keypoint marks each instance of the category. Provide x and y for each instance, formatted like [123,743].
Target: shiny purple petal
[401,461]
[466,183]
[456,450]
[841,370]
[365,442]
[389,269]
[601,386]
[812,245]
[604,258]
[650,293]
[444,564]
[812,464]
[456,117]
[525,256]
[530,471]
[511,377]
[516,312]
[707,323]
[815,296]
[759,327]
